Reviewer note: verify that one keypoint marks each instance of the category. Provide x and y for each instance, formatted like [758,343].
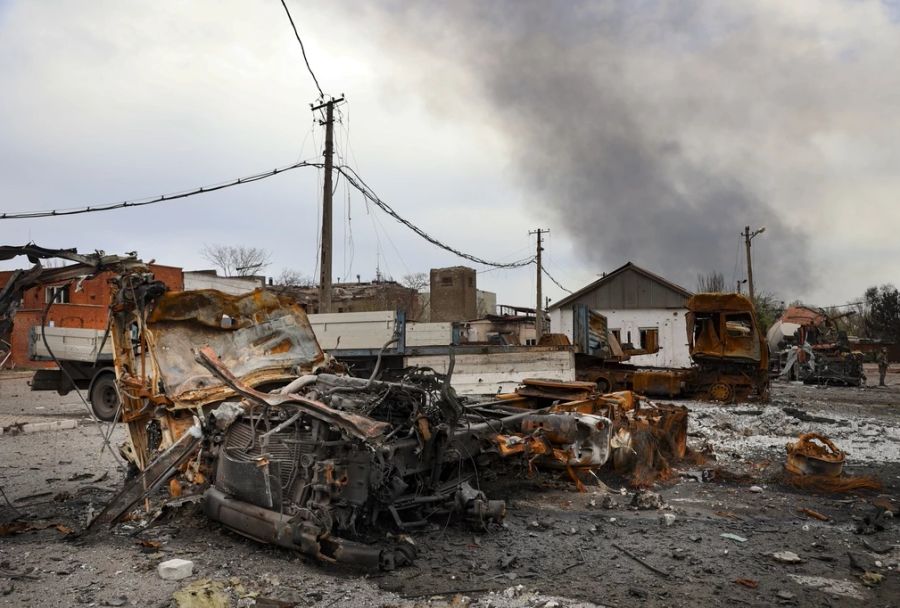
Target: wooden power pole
[748,236]
[326,253]
[538,309]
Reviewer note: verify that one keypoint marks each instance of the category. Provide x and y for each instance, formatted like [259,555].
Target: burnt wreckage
[232,397]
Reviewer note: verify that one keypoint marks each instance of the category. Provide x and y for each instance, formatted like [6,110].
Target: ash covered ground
[557,547]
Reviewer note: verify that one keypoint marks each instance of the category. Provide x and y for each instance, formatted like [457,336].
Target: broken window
[58,294]
[447,281]
[739,325]
[617,333]
[650,339]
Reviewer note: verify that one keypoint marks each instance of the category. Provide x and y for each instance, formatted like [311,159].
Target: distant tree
[236,261]
[711,282]
[883,308]
[415,280]
[768,310]
[293,278]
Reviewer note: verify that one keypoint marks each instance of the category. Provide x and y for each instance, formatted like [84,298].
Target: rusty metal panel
[666,383]
[260,336]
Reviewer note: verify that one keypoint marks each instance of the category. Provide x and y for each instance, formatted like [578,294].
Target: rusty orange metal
[814,454]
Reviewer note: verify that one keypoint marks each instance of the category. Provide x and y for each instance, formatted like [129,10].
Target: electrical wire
[357,182]
[557,283]
[158,199]
[302,48]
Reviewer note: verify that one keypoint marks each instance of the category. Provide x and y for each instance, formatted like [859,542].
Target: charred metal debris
[808,345]
[231,398]
[288,450]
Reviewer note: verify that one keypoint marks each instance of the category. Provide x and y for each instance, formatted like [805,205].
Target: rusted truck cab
[727,347]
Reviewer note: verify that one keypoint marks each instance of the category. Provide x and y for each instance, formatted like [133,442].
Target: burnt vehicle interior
[727,347]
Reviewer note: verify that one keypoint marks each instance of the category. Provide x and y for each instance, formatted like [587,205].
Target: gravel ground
[557,547]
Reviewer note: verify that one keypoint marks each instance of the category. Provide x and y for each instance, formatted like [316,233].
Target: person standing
[882,360]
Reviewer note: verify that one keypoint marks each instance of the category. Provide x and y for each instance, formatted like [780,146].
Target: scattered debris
[733,537]
[747,582]
[667,519]
[756,489]
[202,594]
[650,567]
[815,463]
[870,579]
[814,514]
[840,587]
[787,557]
[645,500]
[175,569]
[814,454]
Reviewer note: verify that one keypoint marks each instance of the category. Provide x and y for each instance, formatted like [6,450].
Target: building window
[530,342]
[58,294]
[447,281]
[617,334]
[650,339]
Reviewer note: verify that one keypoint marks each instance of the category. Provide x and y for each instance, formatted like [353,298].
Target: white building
[642,309]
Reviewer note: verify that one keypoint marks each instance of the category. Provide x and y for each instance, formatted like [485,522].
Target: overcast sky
[647,131]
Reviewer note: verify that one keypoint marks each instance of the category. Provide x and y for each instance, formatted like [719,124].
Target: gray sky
[644,130]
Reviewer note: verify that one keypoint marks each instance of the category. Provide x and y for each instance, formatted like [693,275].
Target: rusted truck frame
[728,351]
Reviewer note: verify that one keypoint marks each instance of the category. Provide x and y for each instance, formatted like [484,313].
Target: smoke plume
[652,131]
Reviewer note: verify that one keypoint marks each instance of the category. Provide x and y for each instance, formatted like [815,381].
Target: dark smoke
[614,127]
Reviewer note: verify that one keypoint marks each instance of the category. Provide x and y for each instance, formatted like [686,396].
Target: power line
[158,199]
[557,283]
[349,174]
[302,48]
[357,182]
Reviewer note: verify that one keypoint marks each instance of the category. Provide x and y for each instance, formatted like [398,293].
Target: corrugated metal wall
[630,290]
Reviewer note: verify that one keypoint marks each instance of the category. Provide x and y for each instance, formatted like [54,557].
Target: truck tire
[104,397]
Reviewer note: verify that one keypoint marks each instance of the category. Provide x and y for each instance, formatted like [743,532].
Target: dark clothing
[882,361]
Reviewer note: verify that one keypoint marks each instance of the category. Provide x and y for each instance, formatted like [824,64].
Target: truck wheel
[104,398]
[721,392]
[603,385]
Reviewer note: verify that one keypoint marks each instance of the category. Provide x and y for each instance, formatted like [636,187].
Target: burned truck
[231,398]
[807,344]
[727,349]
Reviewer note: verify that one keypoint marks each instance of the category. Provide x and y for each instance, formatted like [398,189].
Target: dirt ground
[557,547]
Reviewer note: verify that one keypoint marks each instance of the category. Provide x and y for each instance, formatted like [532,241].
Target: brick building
[453,294]
[360,297]
[86,308]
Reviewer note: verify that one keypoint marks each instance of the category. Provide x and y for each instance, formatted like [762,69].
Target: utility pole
[538,310]
[748,236]
[325,258]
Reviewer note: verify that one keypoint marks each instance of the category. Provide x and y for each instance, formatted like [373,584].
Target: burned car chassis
[231,398]
[314,460]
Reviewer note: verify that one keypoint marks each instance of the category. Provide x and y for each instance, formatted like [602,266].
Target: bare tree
[711,282]
[415,280]
[290,277]
[236,261]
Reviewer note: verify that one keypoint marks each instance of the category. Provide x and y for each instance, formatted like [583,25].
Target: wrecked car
[231,398]
[807,344]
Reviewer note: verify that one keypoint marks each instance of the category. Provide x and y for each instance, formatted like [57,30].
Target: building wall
[631,290]
[486,303]
[360,297]
[671,325]
[453,294]
[86,309]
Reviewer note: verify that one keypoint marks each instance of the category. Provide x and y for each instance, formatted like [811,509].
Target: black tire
[104,397]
